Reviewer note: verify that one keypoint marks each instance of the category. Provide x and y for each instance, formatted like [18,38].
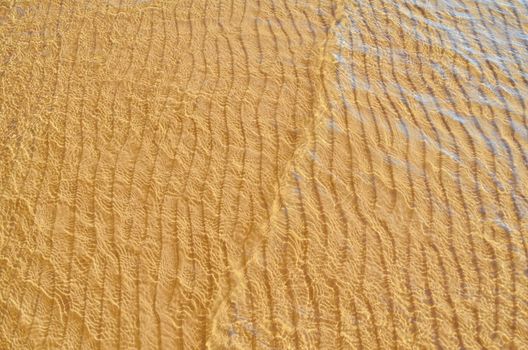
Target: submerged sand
[263,174]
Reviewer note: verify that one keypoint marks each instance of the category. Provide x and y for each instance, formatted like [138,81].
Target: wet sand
[263,174]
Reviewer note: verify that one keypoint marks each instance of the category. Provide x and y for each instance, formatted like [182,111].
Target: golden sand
[264,174]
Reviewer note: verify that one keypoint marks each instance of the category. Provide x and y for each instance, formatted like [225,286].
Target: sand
[263,174]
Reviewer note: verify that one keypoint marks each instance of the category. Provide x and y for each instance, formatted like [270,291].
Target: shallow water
[263,174]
